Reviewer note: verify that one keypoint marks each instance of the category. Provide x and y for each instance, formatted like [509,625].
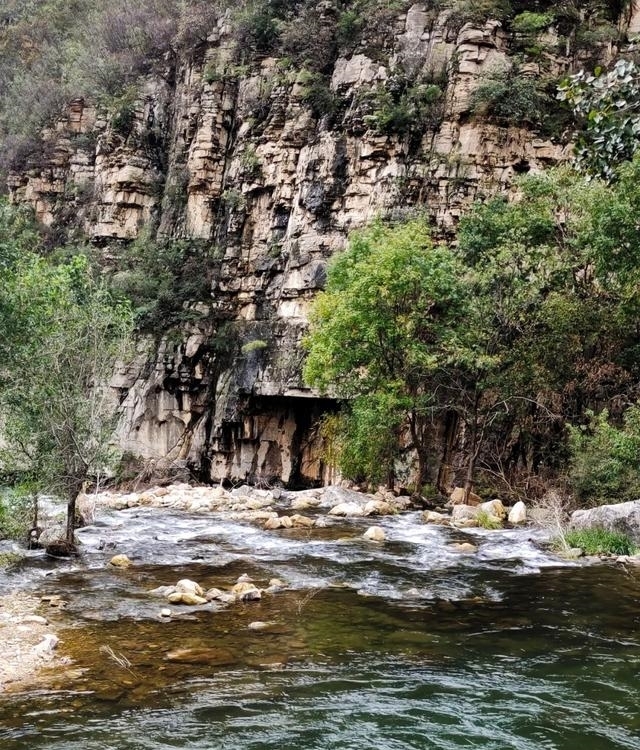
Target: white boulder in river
[375,534]
[518,514]
[623,517]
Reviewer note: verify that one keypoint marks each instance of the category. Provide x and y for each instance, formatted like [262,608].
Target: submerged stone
[120,561]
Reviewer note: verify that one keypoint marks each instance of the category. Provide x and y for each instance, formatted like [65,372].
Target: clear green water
[399,646]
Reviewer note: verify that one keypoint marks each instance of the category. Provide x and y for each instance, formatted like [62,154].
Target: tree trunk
[444,470]
[420,452]
[71,516]
[474,449]
[74,491]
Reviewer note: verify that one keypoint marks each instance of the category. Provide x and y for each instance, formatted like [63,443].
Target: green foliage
[63,332]
[400,108]
[605,459]
[16,513]
[257,345]
[317,94]
[478,12]
[529,23]
[509,97]
[529,323]
[598,541]
[607,108]
[385,324]
[488,521]
[164,280]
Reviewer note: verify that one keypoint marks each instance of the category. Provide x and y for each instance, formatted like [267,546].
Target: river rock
[277,583]
[166,612]
[304,503]
[51,535]
[518,514]
[457,498]
[378,508]
[375,534]
[48,644]
[431,516]
[213,593]
[220,596]
[622,517]
[465,548]
[347,509]
[273,523]
[163,590]
[258,503]
[494,508]
[185,586]
[186,597]
[120,561]
[259,625]
[302,521]
[246,592]
[212,656]
[464,513]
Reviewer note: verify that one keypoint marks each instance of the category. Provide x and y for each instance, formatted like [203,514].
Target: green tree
[63,333]
[606,105]
[557,274]
[387,323]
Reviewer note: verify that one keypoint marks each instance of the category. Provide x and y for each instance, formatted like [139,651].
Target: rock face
[622,517]
[265,190]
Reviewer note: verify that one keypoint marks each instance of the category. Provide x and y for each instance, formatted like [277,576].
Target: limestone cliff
[242,161]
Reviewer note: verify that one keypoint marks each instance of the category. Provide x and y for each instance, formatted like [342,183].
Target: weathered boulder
[494,508]
[302,521]
[246,592]
[375,534]
[378,508]
[457,498]
[186,597]
[518,514]
[186,586]
[304,503]
[332,496]
[347,509]
[464,513]
[51,535]
[431,516]
[622,517]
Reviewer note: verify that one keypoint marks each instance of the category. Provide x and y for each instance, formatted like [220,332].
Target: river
[405,644]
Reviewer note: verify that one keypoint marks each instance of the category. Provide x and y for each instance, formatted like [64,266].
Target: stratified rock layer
[238,162]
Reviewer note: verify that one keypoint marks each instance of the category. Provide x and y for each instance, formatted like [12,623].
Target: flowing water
[408,644]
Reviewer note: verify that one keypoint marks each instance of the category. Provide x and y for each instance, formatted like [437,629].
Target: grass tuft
[597,541]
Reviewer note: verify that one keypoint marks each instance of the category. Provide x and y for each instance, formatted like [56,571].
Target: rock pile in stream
[192,594]
[274,509]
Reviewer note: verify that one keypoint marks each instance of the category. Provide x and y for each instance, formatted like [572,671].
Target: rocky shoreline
[28,639]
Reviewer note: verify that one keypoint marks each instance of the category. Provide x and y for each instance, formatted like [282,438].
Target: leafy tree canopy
[63,332]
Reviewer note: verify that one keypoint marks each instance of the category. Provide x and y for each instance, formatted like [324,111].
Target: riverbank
[29,642]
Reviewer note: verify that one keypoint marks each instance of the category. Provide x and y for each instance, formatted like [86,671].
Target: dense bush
[16,513]
[510,98]
[605,459]
[164,280]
